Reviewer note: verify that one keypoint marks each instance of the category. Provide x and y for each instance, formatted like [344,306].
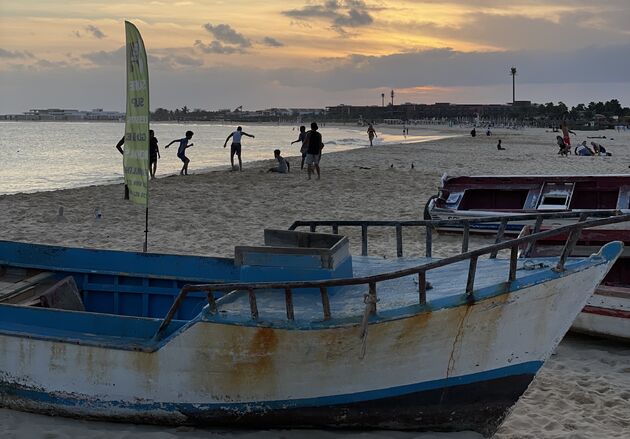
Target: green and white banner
[136,157]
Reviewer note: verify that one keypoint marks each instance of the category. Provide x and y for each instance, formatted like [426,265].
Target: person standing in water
[154,153]
[181,151]
[371,133]
[236,146]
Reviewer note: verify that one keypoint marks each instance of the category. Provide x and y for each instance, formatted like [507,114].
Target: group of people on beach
[582,149]
[311,149]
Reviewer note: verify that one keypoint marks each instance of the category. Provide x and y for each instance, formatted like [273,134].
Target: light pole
[392,98]
[382,99]
[513,74]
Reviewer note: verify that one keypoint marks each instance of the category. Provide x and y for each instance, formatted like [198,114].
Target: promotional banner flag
[136,155]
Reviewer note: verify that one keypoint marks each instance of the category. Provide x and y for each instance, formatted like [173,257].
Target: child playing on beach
[181,151]
[301,139]
[236,146]
[283,165]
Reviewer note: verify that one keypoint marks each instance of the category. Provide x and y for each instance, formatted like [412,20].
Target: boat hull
[606,314]
[457,367]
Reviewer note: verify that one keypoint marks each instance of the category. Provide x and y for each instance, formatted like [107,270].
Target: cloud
[272,42]
[90,30]
[15,54]
[339,13]
[224,33]
[104,58]
[218,48]
[95,31]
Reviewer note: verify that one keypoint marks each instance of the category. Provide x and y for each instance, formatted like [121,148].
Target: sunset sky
[313,53]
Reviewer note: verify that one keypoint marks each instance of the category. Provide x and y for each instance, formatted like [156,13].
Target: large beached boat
[482,196]
[607,312]
[292,333]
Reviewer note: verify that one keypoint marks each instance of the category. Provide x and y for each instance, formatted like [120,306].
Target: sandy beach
[582,392]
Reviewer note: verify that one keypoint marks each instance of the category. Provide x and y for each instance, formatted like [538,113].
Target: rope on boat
[370,301]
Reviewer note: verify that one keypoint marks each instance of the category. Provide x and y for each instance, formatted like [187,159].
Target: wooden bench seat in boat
[40,290]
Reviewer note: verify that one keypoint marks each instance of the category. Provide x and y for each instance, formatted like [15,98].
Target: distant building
[58,114]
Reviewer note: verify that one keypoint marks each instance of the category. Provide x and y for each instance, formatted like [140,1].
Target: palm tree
[513,74]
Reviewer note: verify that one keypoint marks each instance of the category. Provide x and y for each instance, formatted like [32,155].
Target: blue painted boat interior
[126,294]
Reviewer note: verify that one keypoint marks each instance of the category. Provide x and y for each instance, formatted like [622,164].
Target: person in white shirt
[236,146]
[283,165]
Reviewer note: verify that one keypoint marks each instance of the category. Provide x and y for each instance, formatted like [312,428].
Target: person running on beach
[236,146]
[565,131]
[301,139]
[314,147]
[154,153]
[372,133]
[181,151]
[283,165]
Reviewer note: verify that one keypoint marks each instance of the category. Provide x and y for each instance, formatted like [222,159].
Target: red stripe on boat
[607,312]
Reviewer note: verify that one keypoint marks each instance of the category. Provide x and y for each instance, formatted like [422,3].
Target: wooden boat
[607,312]
[483,196]
[293,333]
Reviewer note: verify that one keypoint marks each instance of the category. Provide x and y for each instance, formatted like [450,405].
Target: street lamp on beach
[513,74]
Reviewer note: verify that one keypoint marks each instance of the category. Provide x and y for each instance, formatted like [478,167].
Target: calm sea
[41,156]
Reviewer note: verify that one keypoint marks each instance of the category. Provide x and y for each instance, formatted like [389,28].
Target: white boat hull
[453,368]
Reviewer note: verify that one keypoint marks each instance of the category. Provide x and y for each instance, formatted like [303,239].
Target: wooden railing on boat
[573,231]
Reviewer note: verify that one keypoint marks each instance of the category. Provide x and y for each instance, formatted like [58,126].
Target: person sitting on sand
[154,153]
[283,165]
[599,149]
[565,149]
[181,151]
[371,132]
[583,150]
[235,148]
[301,139]
[473,132]
[499,147]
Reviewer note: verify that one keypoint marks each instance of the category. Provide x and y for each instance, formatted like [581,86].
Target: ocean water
[42,156]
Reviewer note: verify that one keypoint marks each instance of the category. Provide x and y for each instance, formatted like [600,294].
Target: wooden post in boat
[288,300]
[335,229]
[364,240]
[422,287]
[253,307]
[537,226]
[212,302]
[513,260]
[428,240]
[470,283]
[325,302]
[466,236]
[499,236]
[399,241]
[568,248]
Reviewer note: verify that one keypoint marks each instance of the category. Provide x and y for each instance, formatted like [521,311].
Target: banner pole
[146,230]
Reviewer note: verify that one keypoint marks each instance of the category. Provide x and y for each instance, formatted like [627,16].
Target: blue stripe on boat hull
[476,402]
